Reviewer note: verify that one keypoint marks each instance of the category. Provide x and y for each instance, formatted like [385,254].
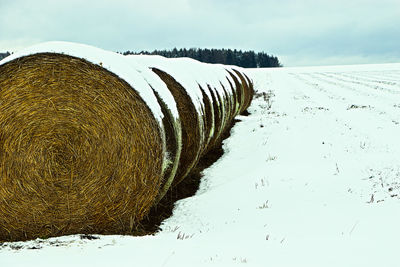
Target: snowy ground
[310,178]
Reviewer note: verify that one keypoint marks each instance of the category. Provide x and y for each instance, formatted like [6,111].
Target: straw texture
[247,92]
[192,131]
[80,151]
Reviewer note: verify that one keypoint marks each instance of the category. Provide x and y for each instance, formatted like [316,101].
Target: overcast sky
[307,32]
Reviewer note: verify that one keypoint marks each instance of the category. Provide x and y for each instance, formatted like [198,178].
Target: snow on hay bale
[246,89]
[205,101]
[226,83]
[207,77]
[81,143]
[251,87]
[228,103]
[234,98]
[171,122]
[192,126]
[188,98]
[218,116]
[210,78]
[209,117]
[239,89]
[224,109]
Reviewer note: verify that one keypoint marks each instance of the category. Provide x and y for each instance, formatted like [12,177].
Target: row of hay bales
[90,140]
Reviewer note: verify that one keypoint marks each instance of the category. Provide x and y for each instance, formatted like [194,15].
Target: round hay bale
[192,143]
[251,87]
[225,82]
[215,76]
[228,103]
[239,91]
[234,98]
[80,150]
[246,90]
[173,133]
[221,116]
[209,119]
[225,105]
[170,121]
[183,71]
[218,117]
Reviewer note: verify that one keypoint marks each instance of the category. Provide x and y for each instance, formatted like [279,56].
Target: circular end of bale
[80,151]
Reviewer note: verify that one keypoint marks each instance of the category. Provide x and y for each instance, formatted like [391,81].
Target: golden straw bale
[170,121]
[239,91]
[251,87]
[209,119]
[234,98]
[192,144]
[220,100]
[247,94]
[226,108]
[218,117]
[173,138]
[80,151]
[229,103]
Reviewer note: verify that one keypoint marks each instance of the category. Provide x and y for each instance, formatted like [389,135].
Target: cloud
[319,30]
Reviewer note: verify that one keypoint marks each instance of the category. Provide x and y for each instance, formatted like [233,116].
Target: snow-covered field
[310,178]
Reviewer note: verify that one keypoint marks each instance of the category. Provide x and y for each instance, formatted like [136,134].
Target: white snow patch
[156,83]
[181,71]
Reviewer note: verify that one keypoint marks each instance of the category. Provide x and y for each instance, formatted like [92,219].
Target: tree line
[245,59]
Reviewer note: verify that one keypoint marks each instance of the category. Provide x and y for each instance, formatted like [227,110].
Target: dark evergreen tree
[229,57]
[3,55]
